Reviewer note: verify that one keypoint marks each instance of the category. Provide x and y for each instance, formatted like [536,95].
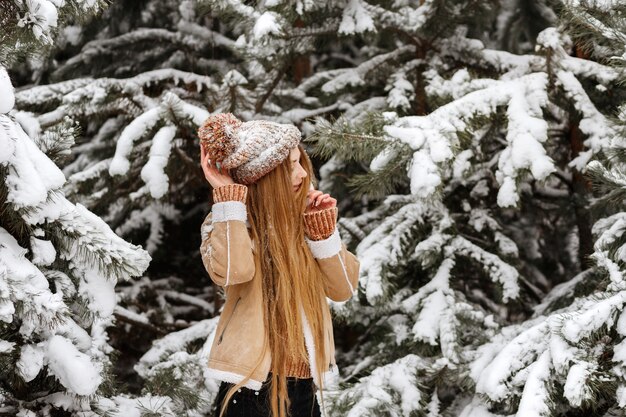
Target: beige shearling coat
[240,346]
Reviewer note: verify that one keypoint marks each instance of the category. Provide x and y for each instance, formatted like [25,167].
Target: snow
[32,174]
[6,347]
[29,123]
[600,313]
[355,19]
[123,312]
[154,214]
[43,251]
[27,284]
[79,336]
[30,362]
[432,137]
[415,138]
[433,406]
[401,92]
[427,325]
[383,158]
[357,76]
[576,388]
[621,324]
[6,91]
[171,353]
[390,388]
[398,324]
[535,400]
[562,353]
[133,131]
[499,271]
[491,375]
[409,394]
[609,231]
[175,342]
[42,17]
[266,25]
[92,237]
[71,367]
[189,299]
[94,171]
[477,408]
[593,123]
[99,291]
[526,131]
[382,248]
[480,219]
[197,114]
[559,292]
[430,302]
[153,173]
[621,396]
[462,164]
[125,406]
[8,130]
[424,174]
[72,34]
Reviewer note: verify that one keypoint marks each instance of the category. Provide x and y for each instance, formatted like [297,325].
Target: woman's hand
[317,200]
[214,176]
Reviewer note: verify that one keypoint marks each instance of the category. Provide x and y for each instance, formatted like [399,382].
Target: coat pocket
[228,321]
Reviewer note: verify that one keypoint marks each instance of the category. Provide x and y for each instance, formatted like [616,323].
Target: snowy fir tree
[482,291]
[59,262]
[462,139]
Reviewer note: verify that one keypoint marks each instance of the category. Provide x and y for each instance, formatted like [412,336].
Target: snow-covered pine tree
[474,205]
[138,82]
[59,262]
[569,356]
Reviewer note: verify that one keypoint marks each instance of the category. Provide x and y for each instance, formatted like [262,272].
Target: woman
[271,242]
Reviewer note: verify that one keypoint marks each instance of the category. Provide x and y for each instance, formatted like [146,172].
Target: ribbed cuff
[230,192]
[319,225]
[298,369]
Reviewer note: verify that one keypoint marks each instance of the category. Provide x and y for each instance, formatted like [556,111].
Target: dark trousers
[247,403]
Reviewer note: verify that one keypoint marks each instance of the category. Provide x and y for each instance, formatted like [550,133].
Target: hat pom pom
[216,135]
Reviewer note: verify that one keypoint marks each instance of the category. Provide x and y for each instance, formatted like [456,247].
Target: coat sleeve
[340,268]
[226,247]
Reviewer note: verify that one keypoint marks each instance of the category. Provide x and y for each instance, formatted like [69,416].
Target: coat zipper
[228,322]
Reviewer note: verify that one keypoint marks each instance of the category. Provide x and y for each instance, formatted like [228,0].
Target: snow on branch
[42,16]
[383,247]
[434,305]
[68,236]
[608,231]
[592,123]
[499,270]
[407,18]
[433,136]
[153,173]
[171,108]
[357,76]
[391,389]
[152,215]
[524,359]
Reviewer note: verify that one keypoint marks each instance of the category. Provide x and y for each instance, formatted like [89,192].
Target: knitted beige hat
[249,149]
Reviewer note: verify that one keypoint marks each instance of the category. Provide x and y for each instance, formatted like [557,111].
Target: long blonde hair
[291,277]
